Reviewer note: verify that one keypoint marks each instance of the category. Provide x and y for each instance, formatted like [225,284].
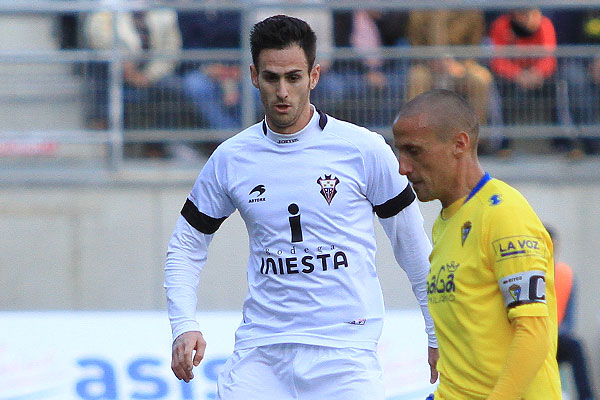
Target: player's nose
[282,90]
[405,166]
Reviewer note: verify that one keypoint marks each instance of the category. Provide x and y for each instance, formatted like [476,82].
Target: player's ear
[462,143]
[315,74]
[254,75]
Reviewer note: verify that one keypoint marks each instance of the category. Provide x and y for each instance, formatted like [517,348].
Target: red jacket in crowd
[502,34]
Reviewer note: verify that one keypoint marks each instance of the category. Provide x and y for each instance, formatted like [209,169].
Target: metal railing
[90,84]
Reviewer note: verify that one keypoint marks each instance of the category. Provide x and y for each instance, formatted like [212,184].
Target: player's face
[426,161]
[284,81]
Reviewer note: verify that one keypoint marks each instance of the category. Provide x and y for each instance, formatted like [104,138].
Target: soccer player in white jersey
[307,186]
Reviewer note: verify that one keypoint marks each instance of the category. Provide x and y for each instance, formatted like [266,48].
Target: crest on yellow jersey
[464,231]
[515,292]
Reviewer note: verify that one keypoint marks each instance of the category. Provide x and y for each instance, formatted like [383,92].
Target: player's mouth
[282,108]
[414,183]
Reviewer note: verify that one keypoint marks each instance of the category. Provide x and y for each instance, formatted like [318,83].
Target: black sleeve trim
[202,222]
[521,302]
[395,205]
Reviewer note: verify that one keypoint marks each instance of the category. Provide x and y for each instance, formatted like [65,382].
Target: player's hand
[433,357]
[183,356]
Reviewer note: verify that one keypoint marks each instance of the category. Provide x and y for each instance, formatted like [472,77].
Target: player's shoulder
[501,199]
[360,137]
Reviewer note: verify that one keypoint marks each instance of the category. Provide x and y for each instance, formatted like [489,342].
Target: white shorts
[301,372]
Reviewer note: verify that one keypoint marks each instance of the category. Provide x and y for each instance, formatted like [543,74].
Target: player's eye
[294,78]
[412,151]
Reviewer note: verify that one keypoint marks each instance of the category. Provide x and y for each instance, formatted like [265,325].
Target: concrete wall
[101,247]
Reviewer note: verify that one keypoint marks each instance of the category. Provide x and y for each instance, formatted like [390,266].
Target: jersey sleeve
[394,203]
[209,204]
[412,249]
[204,210]
[521,254]
[387,190]
[186,256]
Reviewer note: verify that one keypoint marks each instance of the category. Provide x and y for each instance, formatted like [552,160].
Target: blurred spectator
[329,92]
[67,30]
[525,81]
[526,84]
[467,77]
[570,348]
[139,32]
[372,86]
[147,82]
[214,86]
[582,74]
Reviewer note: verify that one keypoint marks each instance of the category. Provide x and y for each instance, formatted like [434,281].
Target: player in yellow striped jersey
[491,282]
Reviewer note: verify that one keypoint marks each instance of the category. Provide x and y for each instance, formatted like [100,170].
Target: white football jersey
[308,201]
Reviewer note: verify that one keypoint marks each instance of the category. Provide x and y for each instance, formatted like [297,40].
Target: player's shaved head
[445,112]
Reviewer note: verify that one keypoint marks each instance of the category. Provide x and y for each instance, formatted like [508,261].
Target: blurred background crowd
[506,62]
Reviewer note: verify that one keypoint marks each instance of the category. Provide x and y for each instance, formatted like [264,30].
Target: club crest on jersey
[328,187]
[515,291]
[464,231]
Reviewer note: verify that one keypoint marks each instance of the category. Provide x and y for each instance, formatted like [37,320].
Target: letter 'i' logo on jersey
[328,187]
[295,226]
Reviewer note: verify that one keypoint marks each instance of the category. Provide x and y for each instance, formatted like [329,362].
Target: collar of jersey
[449,211]
[316,124]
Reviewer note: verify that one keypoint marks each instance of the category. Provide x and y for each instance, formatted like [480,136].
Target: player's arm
[412,248]
[186,256]
[526,354]
[527,311]
[522,272]
[395,204]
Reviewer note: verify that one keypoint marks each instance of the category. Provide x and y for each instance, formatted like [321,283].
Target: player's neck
[466,179]
[471,178]
[297,126]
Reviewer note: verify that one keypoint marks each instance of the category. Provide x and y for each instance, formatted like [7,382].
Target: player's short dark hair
[281,31]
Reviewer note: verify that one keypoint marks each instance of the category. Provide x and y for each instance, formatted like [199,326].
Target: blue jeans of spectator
[584,94]
[584,99]
[207,96]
